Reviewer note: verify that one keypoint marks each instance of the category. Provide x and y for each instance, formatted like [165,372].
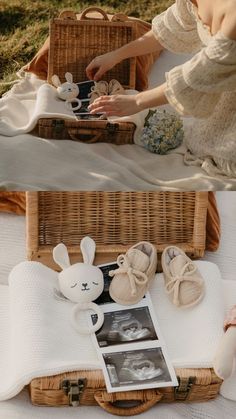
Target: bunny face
[68,91]
[81,283]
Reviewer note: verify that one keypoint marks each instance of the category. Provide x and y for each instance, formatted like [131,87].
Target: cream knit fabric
[37,338]
[204,86]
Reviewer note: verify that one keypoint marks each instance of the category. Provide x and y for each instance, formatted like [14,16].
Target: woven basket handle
[120,17]
[86,135]
[67,14]
[93,9]
[145,401]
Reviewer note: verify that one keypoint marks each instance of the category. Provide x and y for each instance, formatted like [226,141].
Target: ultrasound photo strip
[137,369]
[131,349]
[130,345]
[126,326]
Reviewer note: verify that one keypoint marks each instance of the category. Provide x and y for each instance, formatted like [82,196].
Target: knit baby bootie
[135,272]
[183,282]
[103,88]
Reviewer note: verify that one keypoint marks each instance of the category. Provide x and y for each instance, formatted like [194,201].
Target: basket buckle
[183,389]
[58,125]
[112,128]
[74,389]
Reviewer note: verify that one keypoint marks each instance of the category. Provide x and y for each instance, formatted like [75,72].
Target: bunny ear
[69,77]
[56,81]
[88,247]
[60,256]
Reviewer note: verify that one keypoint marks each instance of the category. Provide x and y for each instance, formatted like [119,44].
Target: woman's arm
[193,88]
[144,45]
[152,98]
[122,105]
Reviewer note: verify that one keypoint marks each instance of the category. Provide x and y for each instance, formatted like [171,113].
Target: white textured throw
[37,338]
[31,99]
[192,334]
[70,165]
[28,101]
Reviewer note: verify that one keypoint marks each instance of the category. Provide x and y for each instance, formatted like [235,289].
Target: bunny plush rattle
[81,283]
[67,91]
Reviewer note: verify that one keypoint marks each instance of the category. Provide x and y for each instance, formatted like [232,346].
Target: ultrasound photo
[125,326]
[136,367]
[105,296]
[84,91]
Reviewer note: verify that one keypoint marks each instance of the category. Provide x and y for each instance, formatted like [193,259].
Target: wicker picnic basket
[74,41]
[88,388]
[116,220]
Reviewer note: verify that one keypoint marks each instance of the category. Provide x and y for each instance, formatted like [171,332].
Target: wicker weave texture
[74,43]
[47,390]
[115,220]
[88,132]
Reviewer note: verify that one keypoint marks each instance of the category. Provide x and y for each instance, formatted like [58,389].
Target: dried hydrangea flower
[162,131]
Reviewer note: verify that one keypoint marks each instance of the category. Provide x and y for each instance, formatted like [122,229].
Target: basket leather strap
[146,399]
[80,134]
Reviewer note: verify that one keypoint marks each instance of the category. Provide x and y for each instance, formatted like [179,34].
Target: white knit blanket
[37,338]
[70,165]
[31,99]
[28,101]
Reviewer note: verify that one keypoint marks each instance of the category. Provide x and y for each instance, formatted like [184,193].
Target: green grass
[24,25]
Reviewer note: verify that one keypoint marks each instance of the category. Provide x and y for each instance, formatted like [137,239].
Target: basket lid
[76,39]
[116,221]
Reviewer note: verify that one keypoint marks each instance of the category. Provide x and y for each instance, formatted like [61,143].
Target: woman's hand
[124,105]
[116,105]
[101,64]
[144,45]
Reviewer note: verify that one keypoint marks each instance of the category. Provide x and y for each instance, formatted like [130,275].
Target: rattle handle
[89,329]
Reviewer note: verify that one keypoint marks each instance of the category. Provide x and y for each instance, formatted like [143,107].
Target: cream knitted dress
[204,87]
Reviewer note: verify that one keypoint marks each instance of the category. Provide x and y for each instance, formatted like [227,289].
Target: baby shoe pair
[183,282]
[103,88]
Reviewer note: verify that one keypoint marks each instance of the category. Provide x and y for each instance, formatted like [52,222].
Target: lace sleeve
[176,28]
[194,88]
